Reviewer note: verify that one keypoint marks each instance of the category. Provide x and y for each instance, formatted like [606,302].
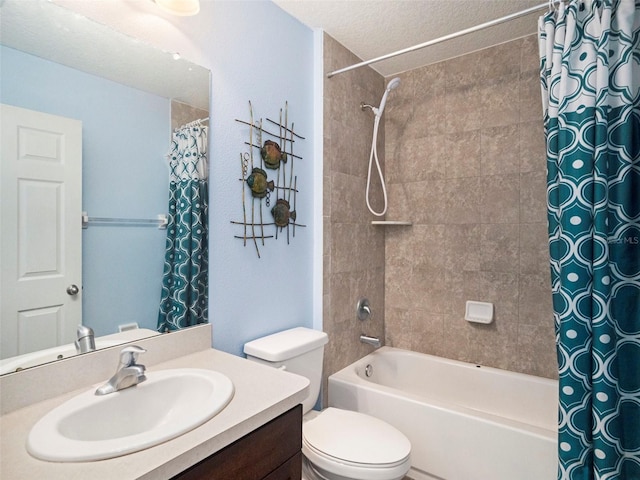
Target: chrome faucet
[85,339]
[129,373]
[373,341]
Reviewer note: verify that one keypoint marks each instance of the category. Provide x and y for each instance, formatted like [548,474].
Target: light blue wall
[258,53]
[125,134]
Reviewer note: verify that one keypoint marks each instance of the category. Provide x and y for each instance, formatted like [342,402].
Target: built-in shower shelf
[390,222]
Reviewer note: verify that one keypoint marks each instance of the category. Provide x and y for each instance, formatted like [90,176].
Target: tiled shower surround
[465,163]
[353,248]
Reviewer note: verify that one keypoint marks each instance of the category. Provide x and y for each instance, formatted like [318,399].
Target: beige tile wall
[466,163]
[183,113]
[353,248]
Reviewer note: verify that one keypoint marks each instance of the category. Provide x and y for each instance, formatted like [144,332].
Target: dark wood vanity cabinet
[272,452]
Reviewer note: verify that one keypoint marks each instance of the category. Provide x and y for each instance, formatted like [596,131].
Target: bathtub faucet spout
[373,341]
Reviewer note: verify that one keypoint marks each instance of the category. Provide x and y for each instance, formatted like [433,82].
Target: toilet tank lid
[286,344]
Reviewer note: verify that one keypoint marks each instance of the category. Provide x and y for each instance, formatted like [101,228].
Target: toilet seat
[354,445]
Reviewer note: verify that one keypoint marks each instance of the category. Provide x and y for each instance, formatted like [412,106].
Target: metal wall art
[268,181]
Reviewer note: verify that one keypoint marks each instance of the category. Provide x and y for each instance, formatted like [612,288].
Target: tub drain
[368,370]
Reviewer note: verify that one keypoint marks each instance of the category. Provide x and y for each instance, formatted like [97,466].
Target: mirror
[128,96]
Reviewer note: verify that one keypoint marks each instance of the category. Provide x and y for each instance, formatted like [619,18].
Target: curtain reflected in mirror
[184,299]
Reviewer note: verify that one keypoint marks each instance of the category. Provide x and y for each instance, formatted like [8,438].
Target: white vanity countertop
[261,394]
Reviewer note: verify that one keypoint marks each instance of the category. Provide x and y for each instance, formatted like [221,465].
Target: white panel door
[40,230]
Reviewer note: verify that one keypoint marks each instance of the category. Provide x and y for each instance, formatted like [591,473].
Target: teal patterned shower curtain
[590,75]
[184,285]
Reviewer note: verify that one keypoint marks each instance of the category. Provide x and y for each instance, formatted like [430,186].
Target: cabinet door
[291,470]
[270,452]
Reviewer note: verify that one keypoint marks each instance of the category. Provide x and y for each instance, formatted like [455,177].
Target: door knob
[72,289]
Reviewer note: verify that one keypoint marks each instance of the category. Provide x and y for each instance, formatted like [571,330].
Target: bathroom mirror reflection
[126,97]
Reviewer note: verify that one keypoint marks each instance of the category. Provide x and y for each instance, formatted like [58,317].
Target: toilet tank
[298,350]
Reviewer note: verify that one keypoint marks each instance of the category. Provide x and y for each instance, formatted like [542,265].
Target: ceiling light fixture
[183,8]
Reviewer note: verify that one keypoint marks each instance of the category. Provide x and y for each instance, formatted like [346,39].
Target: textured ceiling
[49,31]
[371,28]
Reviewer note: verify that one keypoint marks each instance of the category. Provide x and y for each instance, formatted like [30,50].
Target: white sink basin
[167,405]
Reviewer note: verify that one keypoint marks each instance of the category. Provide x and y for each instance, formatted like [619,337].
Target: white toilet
[336,444]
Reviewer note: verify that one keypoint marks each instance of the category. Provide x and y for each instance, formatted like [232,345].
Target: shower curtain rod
[491,23]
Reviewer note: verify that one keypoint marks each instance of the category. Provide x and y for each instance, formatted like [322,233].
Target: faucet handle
[129,355]
[363,309]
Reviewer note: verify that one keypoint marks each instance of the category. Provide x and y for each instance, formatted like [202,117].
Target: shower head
[393,83]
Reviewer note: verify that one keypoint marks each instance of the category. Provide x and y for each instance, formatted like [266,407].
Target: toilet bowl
[336,444]
[341,444]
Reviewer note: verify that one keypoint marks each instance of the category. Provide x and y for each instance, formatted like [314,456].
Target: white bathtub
[465,422]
